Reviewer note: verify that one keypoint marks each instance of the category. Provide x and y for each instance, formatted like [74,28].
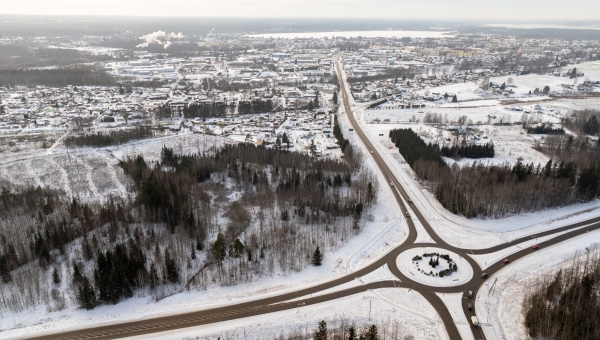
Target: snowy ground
[499,303]
[469,92]
[410,268]
[414,317]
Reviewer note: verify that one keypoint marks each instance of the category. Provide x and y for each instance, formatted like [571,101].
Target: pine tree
[172,273]
[86,296]
[317,257]
[317,99]
[372,333]
[313,148]
[55,277]
[153,279]
[219,249]
[193,252]
[76,274]
[335,98]
[199,246]
[454,99]
[352,333]
[321,333]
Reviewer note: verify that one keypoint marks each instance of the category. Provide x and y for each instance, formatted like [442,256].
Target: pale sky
[491,10]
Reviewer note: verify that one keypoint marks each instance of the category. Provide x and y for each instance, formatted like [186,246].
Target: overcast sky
[491,10]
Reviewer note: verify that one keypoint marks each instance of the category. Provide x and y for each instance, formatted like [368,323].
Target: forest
[566,305]
[57,77]
[219,217]
[479,190]
[102,139]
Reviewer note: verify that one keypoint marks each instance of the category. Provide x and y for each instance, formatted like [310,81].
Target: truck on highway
[475,321]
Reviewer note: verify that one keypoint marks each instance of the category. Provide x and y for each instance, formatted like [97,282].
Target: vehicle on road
[407,214]
[536,247]
[475,321]
[469,306]
[484,275]
[505,261]
[392,184]
[470,294]
[409,200]
[371,151]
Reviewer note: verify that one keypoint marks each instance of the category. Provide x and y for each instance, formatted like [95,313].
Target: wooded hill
[235,215]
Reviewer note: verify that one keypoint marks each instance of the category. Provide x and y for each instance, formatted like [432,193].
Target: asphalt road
[303,297]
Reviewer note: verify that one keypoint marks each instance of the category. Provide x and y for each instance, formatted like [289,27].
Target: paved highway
[302,297]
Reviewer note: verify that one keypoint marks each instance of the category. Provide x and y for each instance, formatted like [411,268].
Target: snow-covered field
[499,304]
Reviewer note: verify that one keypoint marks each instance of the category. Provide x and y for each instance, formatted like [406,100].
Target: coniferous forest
[566,305]
[231,215]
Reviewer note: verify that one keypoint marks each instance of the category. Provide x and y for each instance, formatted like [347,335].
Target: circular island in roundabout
[434,266]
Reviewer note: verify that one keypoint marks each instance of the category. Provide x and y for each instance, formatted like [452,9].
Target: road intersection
[302,297]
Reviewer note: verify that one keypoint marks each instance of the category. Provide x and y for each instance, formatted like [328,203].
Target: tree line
[59,77]
[102,139]
[474,151]
[255,106]
[544,129]
[205,109]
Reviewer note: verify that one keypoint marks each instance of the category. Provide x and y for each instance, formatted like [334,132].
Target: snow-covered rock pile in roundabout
[434,267]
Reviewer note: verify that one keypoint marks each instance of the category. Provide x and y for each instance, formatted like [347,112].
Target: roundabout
[434,266]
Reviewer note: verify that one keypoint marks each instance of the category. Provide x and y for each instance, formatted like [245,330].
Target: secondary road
[303,297]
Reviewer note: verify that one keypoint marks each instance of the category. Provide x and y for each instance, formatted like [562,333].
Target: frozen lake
[366,34]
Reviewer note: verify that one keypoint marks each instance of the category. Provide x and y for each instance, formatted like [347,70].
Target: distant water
[349,34]
[545,25]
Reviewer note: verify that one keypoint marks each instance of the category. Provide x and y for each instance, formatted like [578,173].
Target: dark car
[505,261]
[536,247]
[469,306]
[484,275]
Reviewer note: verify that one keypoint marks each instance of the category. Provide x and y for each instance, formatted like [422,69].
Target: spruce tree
[352,333]
[372,333]
[86,296]
[454,99]
[55,277]
[193,252]
[172,273]
[153,279]
[321,333]
[317,257]
[335,98]
[76,273]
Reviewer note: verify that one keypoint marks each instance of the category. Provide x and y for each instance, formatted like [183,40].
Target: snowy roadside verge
[499,304]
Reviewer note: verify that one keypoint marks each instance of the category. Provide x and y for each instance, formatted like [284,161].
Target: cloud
[159,37]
